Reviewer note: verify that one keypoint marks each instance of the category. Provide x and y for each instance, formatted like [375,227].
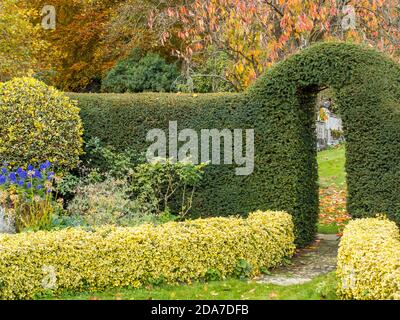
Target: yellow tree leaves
[76,40]
[21,48]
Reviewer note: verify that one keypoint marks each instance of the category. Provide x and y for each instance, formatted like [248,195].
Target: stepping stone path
[307,263]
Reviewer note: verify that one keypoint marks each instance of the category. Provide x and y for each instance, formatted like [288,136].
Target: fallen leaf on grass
[273,296]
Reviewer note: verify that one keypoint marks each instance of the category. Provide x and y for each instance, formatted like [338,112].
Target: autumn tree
[128,29]
[76,38]
[22,51]
[257,33]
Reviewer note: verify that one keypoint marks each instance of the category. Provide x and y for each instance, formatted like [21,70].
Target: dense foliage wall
[280,108]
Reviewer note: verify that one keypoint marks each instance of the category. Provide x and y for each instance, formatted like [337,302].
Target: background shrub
[280,108]
[118,257]
[139,73]
[369,260]
[104,202]
[164,186]
[38,123]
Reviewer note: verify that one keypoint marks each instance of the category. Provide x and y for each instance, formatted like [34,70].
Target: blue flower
[22,173]
[39,187]
[30,167]
[13,177]
[3,179]
[37,175]
[29,185]
[45,165]
[50,176]
[3,170]
[21,183]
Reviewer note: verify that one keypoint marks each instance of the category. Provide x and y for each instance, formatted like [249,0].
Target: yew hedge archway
[367,89]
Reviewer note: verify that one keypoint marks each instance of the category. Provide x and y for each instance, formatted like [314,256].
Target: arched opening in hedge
[367,90]
[280,109]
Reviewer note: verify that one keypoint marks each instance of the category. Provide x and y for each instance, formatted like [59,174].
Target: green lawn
[328,228]
[323,287]
[331,167]
[331,170]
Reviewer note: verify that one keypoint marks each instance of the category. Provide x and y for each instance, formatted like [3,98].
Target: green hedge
[280,108]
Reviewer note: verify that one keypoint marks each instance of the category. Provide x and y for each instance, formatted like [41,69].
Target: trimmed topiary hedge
[77,260]
[280,108]
[369,260]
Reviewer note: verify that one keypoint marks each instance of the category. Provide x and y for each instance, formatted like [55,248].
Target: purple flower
[29,185]
[39,187]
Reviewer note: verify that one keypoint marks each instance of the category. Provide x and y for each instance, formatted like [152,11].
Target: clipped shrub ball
[37,124]
[139,73]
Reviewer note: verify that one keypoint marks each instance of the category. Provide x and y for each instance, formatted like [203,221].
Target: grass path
[331,165]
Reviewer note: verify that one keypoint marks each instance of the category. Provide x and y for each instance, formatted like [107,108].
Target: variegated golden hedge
[369,260]
[79,260]
[38,123]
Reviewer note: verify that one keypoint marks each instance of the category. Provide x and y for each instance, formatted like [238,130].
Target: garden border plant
[175,252]
[369,260]
[280,107]
[37,124]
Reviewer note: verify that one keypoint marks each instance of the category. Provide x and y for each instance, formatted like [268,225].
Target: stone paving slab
[308,263]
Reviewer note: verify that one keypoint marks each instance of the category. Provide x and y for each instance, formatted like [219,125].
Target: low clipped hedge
[369,260]
[116,257]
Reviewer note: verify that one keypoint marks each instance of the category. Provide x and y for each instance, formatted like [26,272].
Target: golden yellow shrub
[369,260]
[38,123]
[79,260]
